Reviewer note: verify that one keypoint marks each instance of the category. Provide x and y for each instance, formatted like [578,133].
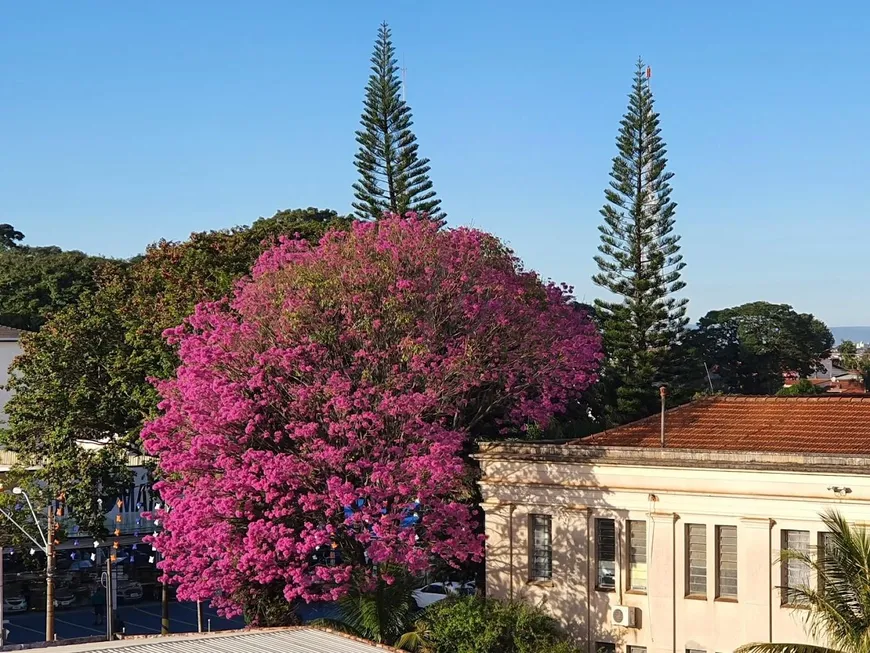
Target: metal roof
[291,640]
[9,334]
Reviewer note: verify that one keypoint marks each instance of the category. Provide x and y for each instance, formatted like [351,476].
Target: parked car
[17,603]
[434,592]
[64,597]
[130,592]
[81,565]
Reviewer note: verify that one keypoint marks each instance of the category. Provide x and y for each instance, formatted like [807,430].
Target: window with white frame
[696,560]
[825,552]
[637,569]
[605,553]
[726,562]
[795,572]
[541,554]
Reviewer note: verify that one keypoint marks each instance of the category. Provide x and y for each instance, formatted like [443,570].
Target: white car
[64,598]
[434,592]
[130,592]
[14,604]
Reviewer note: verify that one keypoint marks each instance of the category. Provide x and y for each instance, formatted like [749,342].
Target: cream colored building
[9,349]
[679,544]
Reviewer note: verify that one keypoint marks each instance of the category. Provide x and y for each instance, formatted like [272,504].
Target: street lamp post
[47,547]
[49,576]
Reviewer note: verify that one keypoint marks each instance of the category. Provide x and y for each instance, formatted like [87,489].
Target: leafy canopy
[9,236]
[84,376]
[36,282]
[750,347]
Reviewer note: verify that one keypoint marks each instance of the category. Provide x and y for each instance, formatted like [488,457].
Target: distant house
[833,378]
[9,349]
[642,544]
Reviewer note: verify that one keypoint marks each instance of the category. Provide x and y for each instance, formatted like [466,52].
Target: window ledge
[725,599]
[696,597]
[540,582]
[637,592]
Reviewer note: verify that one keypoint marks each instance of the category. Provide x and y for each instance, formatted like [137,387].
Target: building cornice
[551,452]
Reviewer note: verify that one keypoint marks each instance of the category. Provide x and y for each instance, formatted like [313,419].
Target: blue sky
[123,123]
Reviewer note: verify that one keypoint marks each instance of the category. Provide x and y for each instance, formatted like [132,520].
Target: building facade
[639,547]
[9,349]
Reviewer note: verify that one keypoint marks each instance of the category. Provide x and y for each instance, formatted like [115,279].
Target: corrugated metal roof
[10,334]
[294,640]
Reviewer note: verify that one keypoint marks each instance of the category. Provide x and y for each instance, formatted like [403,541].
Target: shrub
[478,625]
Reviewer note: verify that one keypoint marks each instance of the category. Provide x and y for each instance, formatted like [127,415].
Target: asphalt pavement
[139,619]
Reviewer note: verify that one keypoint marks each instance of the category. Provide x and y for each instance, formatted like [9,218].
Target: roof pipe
[663,392]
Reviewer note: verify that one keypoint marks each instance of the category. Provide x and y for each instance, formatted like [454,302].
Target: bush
[477,625]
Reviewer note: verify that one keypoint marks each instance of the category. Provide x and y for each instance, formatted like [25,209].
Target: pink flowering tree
[318,425]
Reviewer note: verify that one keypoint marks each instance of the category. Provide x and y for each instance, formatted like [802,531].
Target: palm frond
[412,641]
[334,624]
[382,613]
[764,647]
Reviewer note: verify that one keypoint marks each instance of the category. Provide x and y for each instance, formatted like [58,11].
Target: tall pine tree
[391,175]
[640,264]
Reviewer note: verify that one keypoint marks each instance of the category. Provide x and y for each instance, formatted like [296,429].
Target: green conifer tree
[391,175]
[640,264]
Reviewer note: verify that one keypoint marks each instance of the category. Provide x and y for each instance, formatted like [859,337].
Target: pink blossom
[333,396]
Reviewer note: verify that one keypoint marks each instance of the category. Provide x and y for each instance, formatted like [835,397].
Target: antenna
[709,380]
[404,79]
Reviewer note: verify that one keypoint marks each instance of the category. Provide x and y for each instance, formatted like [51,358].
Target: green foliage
[801,388]
[9,237]
[267,607]
[639,263]
[383,611]
[750,347]
[84,376]
[478,625]
[862,364]
[848,353]
[38,281]
[836,607]
[392,177]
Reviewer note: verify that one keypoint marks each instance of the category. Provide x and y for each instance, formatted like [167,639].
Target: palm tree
[839,607]
[383,611]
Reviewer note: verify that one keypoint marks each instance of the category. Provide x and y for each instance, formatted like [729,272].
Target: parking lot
[139,619]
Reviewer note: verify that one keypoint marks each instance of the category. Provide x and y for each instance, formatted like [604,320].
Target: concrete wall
[8,351]
[759,503]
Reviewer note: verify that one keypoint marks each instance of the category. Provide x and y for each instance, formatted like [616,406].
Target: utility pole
[49,575]
[164,606]
[2,598]
[199,616]
[110,608]
[164,601]
[46,546]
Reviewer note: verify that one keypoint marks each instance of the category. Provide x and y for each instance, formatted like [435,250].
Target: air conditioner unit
[622,615]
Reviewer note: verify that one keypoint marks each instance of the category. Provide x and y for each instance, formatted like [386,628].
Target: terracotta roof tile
[833,424]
